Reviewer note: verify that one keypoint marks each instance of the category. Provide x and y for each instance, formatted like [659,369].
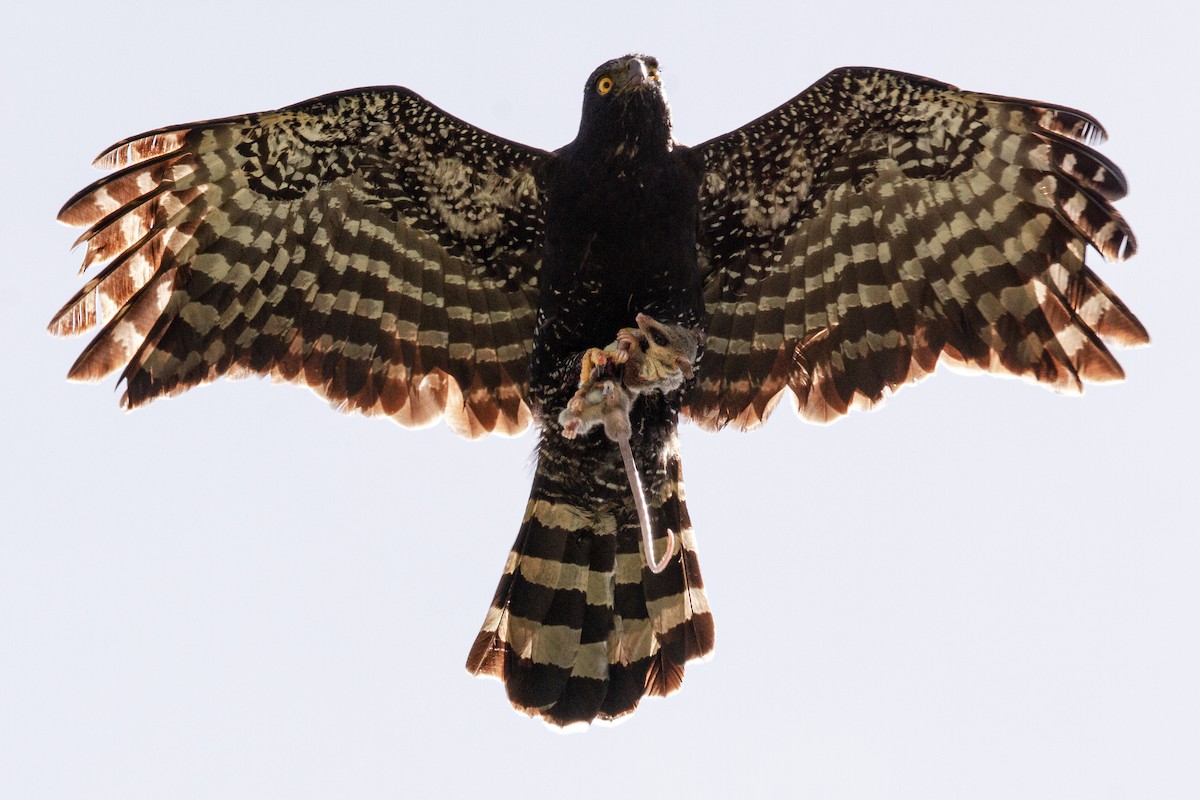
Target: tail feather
[533,633]
[587,685]
[580,628]
[676,600]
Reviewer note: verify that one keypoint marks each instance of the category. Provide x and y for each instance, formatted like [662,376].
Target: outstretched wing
[364,243]
[880,221]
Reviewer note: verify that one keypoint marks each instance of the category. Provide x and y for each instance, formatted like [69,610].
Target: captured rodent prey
[650,357]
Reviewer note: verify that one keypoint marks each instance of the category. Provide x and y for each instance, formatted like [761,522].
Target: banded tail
[580,628]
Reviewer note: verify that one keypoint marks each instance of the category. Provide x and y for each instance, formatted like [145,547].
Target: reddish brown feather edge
[1055,125]
[433,395]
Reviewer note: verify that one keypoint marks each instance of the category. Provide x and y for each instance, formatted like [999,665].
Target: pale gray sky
[983,590]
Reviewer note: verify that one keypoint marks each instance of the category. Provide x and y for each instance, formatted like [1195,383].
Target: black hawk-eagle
[402,262]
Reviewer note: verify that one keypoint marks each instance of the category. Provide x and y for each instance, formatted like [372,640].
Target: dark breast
[620,239]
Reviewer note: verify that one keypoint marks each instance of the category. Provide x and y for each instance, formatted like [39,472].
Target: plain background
[984,590]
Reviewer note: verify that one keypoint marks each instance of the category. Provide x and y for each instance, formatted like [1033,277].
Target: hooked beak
[636,77]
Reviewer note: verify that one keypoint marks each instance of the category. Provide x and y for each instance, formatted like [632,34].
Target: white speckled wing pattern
[363,243]
[879,222]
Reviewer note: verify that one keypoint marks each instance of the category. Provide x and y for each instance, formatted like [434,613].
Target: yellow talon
[592,357]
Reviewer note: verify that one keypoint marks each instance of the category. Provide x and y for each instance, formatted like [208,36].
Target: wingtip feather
[143,146]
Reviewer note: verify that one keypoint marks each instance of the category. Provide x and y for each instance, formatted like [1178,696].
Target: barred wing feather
[880,222]
[364,243]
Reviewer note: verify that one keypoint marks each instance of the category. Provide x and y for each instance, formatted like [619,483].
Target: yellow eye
[604,85]
[654,74]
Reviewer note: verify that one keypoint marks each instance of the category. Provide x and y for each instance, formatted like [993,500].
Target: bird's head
[624,107]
